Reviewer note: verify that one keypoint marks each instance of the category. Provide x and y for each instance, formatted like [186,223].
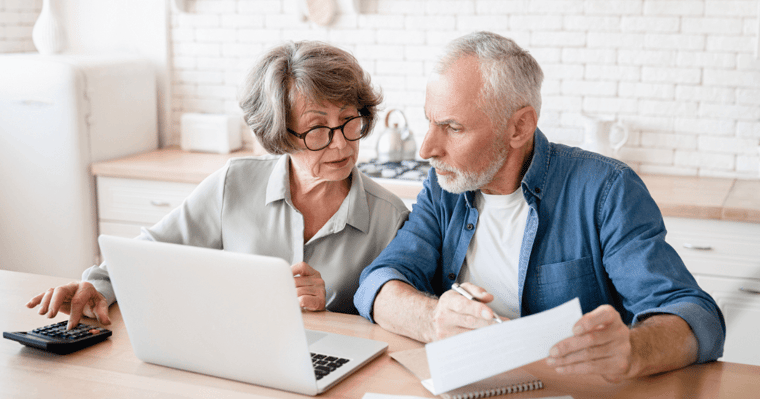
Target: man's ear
[525,121]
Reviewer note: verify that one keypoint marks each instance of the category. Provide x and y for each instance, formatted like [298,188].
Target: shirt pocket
[558,283]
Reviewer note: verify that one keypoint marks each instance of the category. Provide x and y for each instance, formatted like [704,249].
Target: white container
[210,133]
[47,34]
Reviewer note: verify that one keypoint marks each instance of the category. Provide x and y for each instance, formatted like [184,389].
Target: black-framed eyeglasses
[319,137]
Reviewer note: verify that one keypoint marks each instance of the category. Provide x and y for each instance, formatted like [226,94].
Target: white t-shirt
[494,253]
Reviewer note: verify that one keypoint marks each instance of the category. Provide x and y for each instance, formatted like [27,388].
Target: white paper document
[475,355]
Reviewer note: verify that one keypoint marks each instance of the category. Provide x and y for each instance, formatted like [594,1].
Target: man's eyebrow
[443,122]
[446,122]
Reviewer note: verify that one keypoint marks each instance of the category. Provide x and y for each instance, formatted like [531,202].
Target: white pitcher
[604,136]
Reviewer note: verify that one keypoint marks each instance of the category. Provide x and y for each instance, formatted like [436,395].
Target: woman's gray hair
[319,72]
[511,76]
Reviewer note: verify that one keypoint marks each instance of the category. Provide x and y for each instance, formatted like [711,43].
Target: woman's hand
[74,299]
[310,287]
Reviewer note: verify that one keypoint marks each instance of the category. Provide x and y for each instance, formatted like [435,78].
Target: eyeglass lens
[320,137]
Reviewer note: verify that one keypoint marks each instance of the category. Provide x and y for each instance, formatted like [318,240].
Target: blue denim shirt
[593,232]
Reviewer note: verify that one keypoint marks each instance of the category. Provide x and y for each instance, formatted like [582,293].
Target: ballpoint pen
[458,288]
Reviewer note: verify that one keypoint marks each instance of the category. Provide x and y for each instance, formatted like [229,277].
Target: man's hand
[455,314]
[310,287]
[602,344]
[74,299]
[401,309]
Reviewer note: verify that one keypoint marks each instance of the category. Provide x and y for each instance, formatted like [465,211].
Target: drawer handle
[159,203]
[749,290]
[697,247]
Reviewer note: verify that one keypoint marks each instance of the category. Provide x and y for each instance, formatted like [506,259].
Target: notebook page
[476,355]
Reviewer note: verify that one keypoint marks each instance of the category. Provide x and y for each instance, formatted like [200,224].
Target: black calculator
[54,338]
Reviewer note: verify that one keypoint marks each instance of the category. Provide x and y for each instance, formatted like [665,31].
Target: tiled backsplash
[682,74]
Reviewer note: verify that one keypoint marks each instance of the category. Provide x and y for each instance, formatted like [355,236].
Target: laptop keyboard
[324,364]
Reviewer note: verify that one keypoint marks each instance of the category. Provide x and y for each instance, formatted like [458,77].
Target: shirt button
[470,226]
[538,190]
[452,276]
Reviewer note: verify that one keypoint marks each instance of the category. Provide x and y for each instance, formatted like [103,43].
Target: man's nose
[432,144]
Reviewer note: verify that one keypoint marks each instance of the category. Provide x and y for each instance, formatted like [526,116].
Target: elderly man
[526,224]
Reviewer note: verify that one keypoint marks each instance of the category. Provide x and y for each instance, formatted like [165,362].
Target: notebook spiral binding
[528,386]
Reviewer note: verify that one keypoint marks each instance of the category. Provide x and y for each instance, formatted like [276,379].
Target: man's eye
[454,129]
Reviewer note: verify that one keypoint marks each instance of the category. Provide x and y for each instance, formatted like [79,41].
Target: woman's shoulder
[254,161]
[382,194]
[249,169]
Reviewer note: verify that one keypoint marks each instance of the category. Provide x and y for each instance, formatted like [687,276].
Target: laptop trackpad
[314,336]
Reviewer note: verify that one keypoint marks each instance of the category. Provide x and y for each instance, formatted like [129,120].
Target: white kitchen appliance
[58,114]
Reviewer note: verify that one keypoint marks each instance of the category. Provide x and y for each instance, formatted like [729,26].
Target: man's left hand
[601,344]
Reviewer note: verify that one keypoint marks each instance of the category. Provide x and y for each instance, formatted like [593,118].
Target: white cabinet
[125,205]
[724,257]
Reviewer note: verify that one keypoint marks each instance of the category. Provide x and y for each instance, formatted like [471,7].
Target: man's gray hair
[511,76]
[319,72]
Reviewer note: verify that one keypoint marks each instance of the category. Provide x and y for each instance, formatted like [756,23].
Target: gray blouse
[246,207]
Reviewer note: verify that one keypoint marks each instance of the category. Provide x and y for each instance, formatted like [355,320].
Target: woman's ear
[525,121]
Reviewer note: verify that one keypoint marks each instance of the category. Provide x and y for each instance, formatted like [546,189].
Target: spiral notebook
[516,380]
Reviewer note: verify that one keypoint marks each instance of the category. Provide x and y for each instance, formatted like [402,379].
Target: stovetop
[404,170]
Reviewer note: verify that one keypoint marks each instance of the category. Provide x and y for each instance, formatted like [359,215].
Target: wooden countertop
[678,196]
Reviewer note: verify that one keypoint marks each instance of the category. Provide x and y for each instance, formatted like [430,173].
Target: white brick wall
[682,74]
[17,18]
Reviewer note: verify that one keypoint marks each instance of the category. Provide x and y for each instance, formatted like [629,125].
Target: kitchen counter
[677,196]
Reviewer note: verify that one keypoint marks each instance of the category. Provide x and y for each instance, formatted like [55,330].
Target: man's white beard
[460,181]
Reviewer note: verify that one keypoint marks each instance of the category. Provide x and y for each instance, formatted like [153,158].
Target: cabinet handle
[159,203]
[750,290]
[697,247]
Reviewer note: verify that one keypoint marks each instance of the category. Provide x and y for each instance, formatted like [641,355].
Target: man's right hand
[401,309]
[74,299]
[455,314]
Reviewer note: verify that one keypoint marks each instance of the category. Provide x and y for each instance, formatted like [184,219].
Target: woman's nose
[338,140]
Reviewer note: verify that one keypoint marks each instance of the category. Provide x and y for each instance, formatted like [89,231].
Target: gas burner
[404,170]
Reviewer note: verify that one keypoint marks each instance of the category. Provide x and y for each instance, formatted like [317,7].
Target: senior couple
[522,223]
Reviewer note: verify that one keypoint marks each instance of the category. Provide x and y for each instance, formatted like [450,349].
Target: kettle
[604,136]
[395,144]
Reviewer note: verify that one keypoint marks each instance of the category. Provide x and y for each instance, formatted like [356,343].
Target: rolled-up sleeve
[646,271]
[412,256]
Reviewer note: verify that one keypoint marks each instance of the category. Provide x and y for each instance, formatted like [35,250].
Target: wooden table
[110,369]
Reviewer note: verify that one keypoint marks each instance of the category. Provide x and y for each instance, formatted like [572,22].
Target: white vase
[47,33]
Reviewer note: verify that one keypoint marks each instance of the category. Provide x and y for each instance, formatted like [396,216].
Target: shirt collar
[353,211]
[278,187]
[534,180]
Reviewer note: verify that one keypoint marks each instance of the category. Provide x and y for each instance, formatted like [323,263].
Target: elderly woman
[309,104]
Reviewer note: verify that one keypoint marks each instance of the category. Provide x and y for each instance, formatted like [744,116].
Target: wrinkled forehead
[457,87]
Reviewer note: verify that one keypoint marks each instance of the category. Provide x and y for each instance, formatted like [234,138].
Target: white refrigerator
[59,114]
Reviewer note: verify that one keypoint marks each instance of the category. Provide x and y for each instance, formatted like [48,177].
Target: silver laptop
[225,314]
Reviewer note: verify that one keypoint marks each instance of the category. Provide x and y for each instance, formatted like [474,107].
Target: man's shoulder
[576,164]
[580,158]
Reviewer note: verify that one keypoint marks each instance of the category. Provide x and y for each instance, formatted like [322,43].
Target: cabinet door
[739,300]
[141,202]
[716,247]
